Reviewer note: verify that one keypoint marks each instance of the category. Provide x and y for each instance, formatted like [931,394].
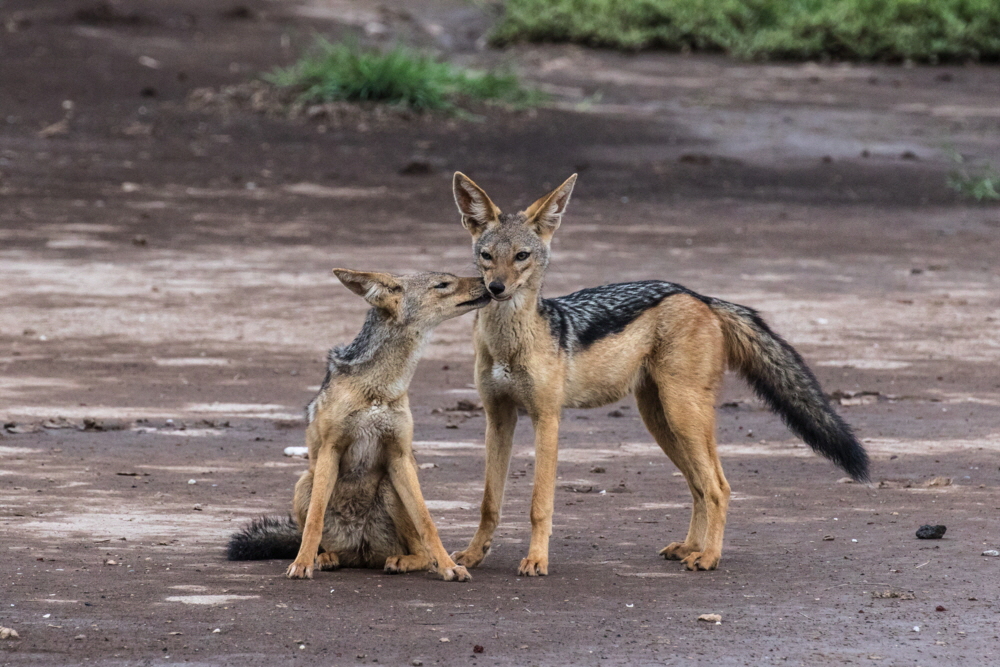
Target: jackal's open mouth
[481,301]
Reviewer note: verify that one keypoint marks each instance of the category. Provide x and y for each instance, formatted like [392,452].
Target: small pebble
[711,618]
[192,481]
[991,552]
[928,532]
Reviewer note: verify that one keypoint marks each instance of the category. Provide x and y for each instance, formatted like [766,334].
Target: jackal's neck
[382,358]
[508,328]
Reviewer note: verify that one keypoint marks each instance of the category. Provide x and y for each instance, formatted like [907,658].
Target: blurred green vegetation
[979,182]
[869,30]
[348,72]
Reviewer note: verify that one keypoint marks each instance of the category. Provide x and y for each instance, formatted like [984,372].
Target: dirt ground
[165,276]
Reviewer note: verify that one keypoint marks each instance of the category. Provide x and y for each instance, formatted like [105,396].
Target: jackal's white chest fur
[501,374]
[370,427]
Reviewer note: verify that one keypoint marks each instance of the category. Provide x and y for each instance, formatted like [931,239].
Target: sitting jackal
[360,501]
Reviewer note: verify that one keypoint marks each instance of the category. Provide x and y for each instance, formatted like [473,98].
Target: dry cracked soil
[167,304]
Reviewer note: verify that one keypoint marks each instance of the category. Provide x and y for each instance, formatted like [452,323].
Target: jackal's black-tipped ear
[381,290]
[478,212]
[546,213]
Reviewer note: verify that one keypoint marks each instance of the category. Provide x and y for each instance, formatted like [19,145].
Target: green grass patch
[400,76]
[979,182]
[868,30]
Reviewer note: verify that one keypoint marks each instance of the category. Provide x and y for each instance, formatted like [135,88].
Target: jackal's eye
[485,255]
[441,285]
[521,256]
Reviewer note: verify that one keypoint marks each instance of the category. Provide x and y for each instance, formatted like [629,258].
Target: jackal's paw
[533,567]
[408,563]
[299,570]
[702,560]
[472,556]
[457,573]
[328,561]
[677,551]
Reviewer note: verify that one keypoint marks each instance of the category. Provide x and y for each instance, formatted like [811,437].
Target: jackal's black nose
[496,288]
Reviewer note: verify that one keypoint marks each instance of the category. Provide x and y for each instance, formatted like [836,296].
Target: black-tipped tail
[265,538]
[781,378]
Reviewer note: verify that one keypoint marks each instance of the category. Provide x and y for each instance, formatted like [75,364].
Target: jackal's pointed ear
[381,290]
[546,213]
[478,212]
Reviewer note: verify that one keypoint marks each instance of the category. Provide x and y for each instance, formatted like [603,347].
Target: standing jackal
[660,341]
[360,500]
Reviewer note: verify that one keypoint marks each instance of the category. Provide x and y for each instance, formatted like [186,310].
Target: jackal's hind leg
[651,410]
[418,557]
[407,563]
[694,426]
[684,427]
[328,560]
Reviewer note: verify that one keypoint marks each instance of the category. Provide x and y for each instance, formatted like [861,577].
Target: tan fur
[672,357]
[360,438]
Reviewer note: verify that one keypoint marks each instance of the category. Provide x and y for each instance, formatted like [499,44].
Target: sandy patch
[444,444]
[7,450]
[209,599]
[449,505]
[895,446]
[866,364]
[192,361]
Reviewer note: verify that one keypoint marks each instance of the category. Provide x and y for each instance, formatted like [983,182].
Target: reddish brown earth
[160,263]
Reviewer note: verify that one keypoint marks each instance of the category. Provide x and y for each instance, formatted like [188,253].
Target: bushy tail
[265,538]
[781,378]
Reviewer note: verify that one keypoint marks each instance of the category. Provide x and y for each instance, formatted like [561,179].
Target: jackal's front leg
[324,478]
[403,473]
[543,494]
[501,419]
